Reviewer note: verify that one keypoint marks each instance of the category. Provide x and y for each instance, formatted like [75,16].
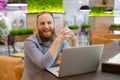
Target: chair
[19,71]
[96,37]
[11,68]
[11,43]
[103,37]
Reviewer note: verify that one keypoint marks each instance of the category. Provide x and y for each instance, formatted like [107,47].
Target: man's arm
[57,42]
[43,60]
[64,33]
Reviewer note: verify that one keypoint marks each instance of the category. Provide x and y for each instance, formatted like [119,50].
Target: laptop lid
[77,60]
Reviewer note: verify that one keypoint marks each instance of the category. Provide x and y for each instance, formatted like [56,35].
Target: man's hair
[44,12]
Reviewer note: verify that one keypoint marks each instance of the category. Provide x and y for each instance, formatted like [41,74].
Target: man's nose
[46,25]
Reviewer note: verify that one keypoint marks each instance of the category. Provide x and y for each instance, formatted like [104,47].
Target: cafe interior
[94,22]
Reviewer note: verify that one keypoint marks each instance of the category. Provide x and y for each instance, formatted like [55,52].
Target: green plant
[2,25]
[86,26]
[0,37]
[115,25]
[73,27]
[99,11]
[35,6]
[21,31]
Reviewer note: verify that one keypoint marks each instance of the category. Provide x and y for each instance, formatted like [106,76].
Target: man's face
[46,27]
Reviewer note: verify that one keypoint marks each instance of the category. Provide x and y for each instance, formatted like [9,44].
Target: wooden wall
[31,21]
[110,3]
[101,22]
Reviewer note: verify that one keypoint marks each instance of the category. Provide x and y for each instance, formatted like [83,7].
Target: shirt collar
[38,38]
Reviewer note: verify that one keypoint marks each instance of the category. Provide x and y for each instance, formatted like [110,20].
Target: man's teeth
[46,30]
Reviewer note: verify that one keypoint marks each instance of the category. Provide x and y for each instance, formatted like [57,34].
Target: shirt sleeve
[40,59]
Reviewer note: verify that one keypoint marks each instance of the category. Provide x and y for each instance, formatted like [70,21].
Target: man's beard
[46,38]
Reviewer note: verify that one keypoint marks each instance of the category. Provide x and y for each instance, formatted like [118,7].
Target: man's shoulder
[32,38]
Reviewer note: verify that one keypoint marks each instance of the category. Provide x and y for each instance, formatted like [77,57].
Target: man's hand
[67,33]
[63,34]
[73,39]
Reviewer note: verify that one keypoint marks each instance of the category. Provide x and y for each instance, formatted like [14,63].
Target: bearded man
[43,49]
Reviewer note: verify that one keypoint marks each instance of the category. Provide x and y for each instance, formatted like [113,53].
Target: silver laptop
[78,60]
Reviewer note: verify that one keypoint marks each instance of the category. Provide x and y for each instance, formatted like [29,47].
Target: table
[4,48]
[19,54]
[90,76]
[109,51]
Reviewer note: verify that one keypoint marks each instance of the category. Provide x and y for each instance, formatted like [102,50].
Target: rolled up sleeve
[35,54]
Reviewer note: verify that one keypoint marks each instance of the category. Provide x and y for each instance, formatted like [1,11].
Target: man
[42,49]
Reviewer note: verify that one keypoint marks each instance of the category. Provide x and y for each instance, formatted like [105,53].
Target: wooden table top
[19,54]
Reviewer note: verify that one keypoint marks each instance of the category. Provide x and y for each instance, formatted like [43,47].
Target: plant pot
[85,30]
[113,28]
[19,38]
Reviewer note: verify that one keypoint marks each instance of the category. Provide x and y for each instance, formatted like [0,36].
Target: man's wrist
[58,39]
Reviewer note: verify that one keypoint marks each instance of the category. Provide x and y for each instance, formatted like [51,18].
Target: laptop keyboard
[57,68]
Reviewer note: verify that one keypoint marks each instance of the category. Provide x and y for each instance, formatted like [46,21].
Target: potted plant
[2,26]
[85,27]
[114,27]
[20,34]
[74,28]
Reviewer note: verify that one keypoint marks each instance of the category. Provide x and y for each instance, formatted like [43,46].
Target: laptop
[78,60]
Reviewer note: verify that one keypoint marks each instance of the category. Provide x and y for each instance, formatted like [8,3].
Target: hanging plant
[44,5]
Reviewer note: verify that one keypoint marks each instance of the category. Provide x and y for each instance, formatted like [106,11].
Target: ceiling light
[85,7]
[108,10]
[80,2]
[17,4]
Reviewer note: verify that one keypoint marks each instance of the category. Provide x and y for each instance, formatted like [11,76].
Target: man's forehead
[45,18]
[45,15]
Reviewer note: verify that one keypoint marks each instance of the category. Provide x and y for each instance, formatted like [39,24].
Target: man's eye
[49,22]
[42,23]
